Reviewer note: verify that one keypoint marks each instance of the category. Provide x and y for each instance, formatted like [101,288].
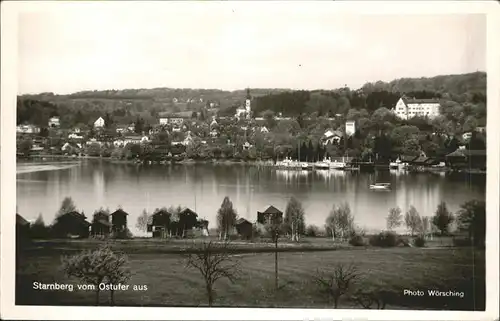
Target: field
[161,267]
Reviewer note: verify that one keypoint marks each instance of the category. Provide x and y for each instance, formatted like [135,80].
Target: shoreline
[53,162]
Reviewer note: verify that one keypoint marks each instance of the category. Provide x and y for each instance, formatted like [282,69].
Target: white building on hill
[350,127]
[407,108]
[99,123]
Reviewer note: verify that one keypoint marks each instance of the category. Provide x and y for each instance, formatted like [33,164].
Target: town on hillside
[392,130]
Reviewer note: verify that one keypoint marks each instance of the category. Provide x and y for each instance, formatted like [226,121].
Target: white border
[8,100]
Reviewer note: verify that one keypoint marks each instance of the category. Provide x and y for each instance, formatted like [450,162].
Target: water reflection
[203,187]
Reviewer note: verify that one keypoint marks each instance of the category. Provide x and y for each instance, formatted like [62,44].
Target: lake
[202,187]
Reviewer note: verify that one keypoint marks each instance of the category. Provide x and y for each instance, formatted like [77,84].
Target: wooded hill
[465,90]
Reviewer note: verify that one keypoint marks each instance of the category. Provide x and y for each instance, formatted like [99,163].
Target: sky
[227,47]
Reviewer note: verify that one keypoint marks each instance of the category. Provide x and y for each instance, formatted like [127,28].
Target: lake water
[202,187]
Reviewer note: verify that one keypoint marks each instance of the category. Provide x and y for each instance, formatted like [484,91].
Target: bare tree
[338,282]
[413,220]
[214,261]
[275,228]
[294,218]
[143,220]
[340,220]
[394,219]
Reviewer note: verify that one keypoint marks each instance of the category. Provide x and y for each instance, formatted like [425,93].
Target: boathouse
[244,228]
[270,215]
[71,224]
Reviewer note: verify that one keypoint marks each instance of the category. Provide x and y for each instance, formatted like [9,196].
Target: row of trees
[471,218]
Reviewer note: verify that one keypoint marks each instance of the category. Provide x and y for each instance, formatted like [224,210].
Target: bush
[312,231]
[385,239]
[357,240]
[419,241]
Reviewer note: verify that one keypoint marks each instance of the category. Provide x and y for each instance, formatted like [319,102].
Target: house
[121,128]
[74,136]
[264,129]
[54,122]
[188,220]
[188,140]
[407,108]
[202,225]
[71,224]
[28,129]
[270,215]
[99,123]
[118,142]
[350,127]
[132,139]
[331,137]
[244,228]
[71,148]
[101,226]
[467,159]
[214,133]
[175,119]
[467,136]
[407,159]
[160,224]
[481,129]
[247,146]
[119,221]
[214,124]
[240,113]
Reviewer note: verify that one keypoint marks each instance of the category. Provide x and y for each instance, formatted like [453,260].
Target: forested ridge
[467,91]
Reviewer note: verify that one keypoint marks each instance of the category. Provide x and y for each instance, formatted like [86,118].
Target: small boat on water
[305,166]
[381,186]
[337,165]
[398,164]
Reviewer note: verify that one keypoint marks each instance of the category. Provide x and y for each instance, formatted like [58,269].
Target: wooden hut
[244,228]
[101,226]
[119,221]
[270,216]
[160,224]
[71,224]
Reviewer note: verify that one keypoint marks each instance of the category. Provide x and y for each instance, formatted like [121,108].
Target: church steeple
[248,94]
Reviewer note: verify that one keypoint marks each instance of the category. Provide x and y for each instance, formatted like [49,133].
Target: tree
[38,229]
[25,146]
[102,265]
[275,229]
[442,218]
[340,220]
[294,218]
[394,219]
[214,261]
[338,282]
[472,218]
[67,206]
[413,221]
[226,218]
[425,226]
[143,220]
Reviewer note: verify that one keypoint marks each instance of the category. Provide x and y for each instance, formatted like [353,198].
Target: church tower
[248,107]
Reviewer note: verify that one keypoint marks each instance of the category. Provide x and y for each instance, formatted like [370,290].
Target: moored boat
[337,165]
[380,186]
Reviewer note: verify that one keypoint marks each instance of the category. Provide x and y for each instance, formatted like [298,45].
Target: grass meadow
[160,265]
